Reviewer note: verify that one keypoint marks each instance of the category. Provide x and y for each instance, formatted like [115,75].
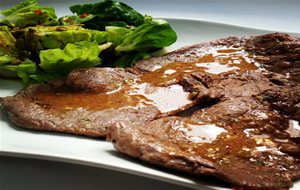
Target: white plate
[94,152]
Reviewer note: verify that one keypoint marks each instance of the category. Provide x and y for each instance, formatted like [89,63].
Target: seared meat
[279,53]
[68,107]
[240,141]
[235,85]
[238,155]
[187,54]
[99,79]
[286,100]
[247,90]
[245,136]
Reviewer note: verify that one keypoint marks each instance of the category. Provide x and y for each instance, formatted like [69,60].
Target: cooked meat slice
[247,89]
[232,86]
[236,85]
[286,100]
[189,54]
[56,106]
[242,113]
[279,53]
[255,117]
[28,112]
[99,79]
[235,155]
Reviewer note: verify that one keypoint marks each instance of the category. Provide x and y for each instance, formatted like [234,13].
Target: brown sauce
[68,99]
[150,88]
[225,145]
[223,60]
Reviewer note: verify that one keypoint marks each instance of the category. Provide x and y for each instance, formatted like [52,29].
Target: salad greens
[75,55]
[142,39]
[36,46]
[24,70]
[28,13]
[39,38]
[108,13]
[8,51]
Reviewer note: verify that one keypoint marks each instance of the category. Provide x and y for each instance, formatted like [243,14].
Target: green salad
[37,46]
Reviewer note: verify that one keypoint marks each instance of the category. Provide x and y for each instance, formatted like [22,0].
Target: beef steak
[247,90]
[205,148]
[69,107]
[246,137]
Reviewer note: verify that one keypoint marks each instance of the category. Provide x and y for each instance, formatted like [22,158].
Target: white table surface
[21,173]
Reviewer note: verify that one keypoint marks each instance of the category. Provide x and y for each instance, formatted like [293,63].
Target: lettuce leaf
[7,45]
[116,34]
[153,34]
[50,37]
[23,6]
[8,53]
[5,59]
[74,19]
[29,13]
[23,70]
[76,55]
[108,13]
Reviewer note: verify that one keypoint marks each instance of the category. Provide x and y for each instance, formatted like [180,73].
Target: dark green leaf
[109,10]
